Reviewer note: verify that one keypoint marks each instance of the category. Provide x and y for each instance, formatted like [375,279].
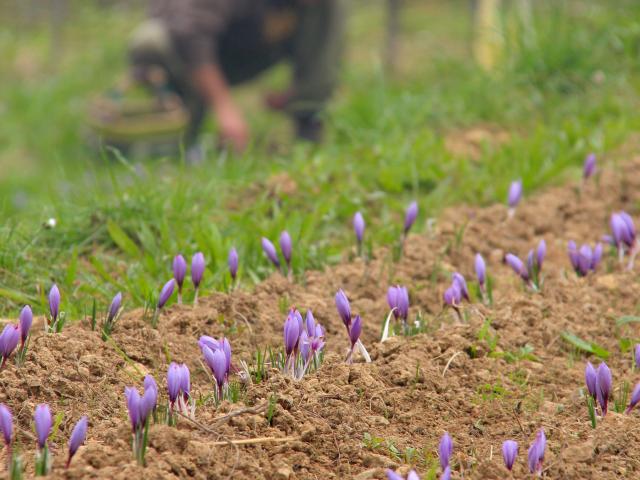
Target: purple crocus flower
[134,406]
[197,269]
[585,259]
[291,334]
[44,424]
[589,166]
[413,475]
[410,216]
[572,249]
[344,309]
[445,449]
[597,256]
[78,435]
[179,270]
[446,474]
[541,253]
[458,279]
[509,453]
[391,475]
[631,228]
[270,251]
[54,302]
[25,320]
[603,386]
[536,452]
[217,362]
[310,323]
[150,397]
[6,424]
[637,355]
[515,193]
[590,379]
[635,398]
[517,266]
[233,263]
[286,246]
[358,226]
[452,296]
[165,293]
[355,330]
[114,308]
[398,300]
[174,382]
[481,270]
[9,339]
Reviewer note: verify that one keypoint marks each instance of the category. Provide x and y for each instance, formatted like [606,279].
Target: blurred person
[198,49]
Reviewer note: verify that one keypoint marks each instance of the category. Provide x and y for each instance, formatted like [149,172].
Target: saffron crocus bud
[590,378]
[635,398]
[509,453]
[446,474]
[358,226]
[481,269]
[233,263]
[603,386]
[391,475]
[445,449]
[270,251]
[410,216]
[149,399]
[458,279]
[574,257]
[589,167]
[310,323]
[536,452]
[217,362]
[355,330]
[78,436]
[597,256]
[179,270]
[452,295]
[9,339]
[344,309]
[291,333]
[25,321]
[6,424]
[286,246]
[197,269]
[618,230]
[44,424]
[631,228]
[541,253]
[174,382]
[637,355]
[54,302]
[585,259]
[413,475]
[515,193]
[134,403]
[114,308]
[165,293]
[517,266]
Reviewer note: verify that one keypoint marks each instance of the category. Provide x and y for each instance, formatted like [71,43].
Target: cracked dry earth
[415,388]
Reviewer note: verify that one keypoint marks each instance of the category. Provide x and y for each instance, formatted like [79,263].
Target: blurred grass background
[439,130]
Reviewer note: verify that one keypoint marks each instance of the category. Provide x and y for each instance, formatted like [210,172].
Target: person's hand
[234,131]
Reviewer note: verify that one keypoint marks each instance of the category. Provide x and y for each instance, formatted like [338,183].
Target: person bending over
[200,48]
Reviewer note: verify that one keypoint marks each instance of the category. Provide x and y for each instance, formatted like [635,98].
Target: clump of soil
[502,374]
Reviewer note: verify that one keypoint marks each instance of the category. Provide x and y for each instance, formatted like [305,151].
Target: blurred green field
[440,130]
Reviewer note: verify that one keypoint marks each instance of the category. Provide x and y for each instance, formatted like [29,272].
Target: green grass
[571,90]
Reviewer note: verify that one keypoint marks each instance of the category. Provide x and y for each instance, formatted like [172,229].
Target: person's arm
[210,82]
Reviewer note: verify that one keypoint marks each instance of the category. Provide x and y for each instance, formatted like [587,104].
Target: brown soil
[407,395]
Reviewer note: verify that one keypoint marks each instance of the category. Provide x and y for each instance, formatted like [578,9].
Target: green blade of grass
[585,346]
